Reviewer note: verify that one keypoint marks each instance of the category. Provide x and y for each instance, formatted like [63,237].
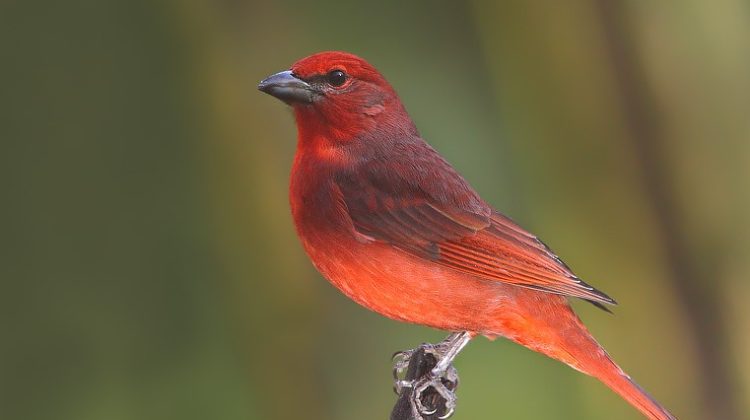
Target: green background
[149,265]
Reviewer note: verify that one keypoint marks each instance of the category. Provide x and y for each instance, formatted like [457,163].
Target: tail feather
[621,383]
[590,358]
[557,332]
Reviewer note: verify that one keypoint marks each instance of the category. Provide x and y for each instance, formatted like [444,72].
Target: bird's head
[338,97]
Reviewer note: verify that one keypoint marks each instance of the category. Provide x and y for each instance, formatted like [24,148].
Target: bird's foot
[403,358]
[442,379]
[445,386]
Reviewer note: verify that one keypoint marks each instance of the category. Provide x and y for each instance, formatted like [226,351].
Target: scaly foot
[443,379]
[402,359]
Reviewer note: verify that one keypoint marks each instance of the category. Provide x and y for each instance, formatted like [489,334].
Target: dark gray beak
[285,86]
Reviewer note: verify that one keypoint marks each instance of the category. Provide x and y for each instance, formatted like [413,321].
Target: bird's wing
[426,219]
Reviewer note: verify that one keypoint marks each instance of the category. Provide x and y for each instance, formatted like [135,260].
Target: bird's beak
[285,86]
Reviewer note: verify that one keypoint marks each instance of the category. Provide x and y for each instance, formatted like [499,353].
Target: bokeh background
[149,265]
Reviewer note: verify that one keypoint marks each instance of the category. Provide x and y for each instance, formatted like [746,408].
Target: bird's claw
[445,386]
[400,365]
[444,382]
[401,361]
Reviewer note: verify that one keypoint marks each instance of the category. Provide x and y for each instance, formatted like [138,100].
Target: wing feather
[428,210]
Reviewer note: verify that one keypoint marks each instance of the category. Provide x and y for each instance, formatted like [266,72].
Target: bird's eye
[336,78]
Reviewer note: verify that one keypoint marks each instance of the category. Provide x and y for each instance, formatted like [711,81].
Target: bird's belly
[406,288]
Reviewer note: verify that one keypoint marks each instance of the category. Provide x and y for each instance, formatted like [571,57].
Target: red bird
[393,226]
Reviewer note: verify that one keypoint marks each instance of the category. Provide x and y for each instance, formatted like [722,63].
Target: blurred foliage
[150,269]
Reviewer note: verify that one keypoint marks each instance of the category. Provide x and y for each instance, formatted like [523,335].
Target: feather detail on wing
[505,252]
[405,194]
[491,246]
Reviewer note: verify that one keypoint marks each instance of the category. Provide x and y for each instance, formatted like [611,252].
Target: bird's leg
[443,378]
[451,346]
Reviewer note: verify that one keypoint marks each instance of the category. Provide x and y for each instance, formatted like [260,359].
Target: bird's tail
[617,380]
[566,339]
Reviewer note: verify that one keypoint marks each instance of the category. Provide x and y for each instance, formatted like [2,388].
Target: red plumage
[392,225]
